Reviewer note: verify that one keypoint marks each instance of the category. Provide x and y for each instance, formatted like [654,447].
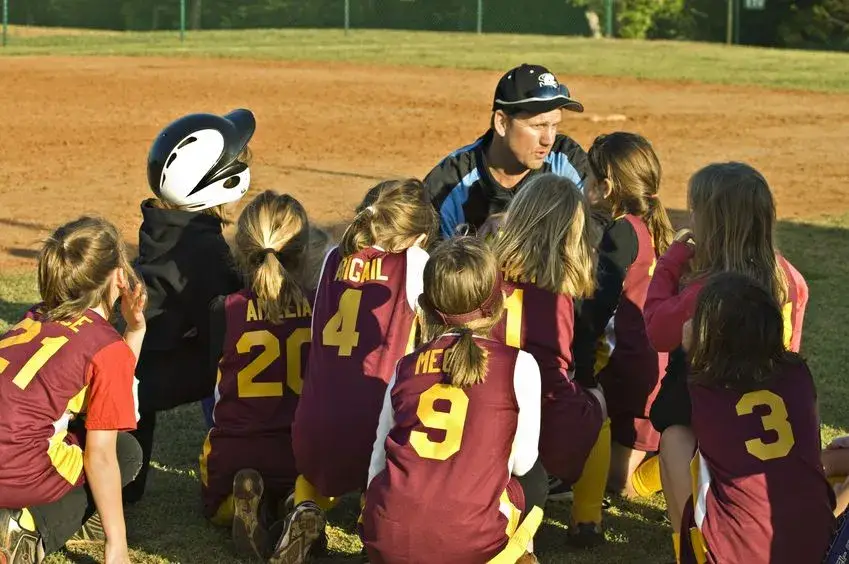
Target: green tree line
[822,24]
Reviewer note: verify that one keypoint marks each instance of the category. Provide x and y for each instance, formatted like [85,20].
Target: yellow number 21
[49,347]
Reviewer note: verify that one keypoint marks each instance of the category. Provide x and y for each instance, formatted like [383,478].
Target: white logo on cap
[547,79]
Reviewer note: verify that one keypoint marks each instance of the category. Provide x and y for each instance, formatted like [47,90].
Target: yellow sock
[646,478]
[226,511]
[26,522]
[676,546]
[836,480]
[588,491]
[305,491]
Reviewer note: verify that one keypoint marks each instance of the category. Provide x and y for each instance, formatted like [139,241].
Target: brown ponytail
[394,214]
[74,268]
[629,165]
[271,243]
[461,276]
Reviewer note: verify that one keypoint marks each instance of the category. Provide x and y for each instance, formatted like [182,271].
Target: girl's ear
[607,188]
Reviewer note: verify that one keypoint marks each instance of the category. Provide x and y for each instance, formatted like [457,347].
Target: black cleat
[249,535]
[302,534]
[18,546]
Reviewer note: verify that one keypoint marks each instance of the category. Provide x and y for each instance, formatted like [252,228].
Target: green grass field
[167,526]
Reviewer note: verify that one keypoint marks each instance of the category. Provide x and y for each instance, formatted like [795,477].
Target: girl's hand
[116,553]
[133,302]
[489,230]
[838,443]
[685,236]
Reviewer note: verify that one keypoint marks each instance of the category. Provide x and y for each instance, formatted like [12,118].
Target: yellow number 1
[341,329]
[513,305]
[49,347]
[777,421]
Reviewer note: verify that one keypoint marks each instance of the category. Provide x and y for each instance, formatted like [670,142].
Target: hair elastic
[269,251]
[486,309]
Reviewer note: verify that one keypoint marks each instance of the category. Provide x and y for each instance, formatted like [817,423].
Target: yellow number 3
[451,421]
[776,421]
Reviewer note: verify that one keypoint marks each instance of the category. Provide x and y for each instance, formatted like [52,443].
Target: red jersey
[541,323]
[668,306]
[362,324]
[760,494]
[438,492]
[630,369]
[259,382]
[50,373]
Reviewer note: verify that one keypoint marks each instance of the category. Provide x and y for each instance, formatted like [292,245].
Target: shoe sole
[248,535]
[91,531]
[306,527]
[565,496]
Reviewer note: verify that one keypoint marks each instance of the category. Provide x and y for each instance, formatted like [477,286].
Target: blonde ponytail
[393,215]
[462,292]
[271,243]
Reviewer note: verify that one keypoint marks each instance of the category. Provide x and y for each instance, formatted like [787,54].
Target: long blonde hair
[74,268]
[547,238]
[271,241]
[460,276]
[733,226]
[629,162]
[398,214]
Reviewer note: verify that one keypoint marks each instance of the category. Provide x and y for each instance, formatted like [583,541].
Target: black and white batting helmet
[193,162]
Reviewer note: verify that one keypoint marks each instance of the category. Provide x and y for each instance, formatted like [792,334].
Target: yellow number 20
[776,421]
[49,347]
[248,388]
[341,329]
[452,422]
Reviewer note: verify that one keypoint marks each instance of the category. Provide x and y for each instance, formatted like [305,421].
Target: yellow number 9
[452,422]
[776,421]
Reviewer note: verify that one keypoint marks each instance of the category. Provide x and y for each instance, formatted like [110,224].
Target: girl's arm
[384,426]
[616,253]
[104,478]
[526,383]
[666,309]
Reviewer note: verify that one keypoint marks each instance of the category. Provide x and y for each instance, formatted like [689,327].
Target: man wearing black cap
[480,179]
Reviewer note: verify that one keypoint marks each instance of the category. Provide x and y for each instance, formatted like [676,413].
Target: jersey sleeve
[439,184]
[616,253]
[113,390]
[416,260]
[321,282]
[801,304]
[666,309]
[569,160]
[526,383]
[384,426]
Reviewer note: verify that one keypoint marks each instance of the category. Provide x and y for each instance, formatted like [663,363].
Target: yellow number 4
[777,421]
[452,422]
[341,329]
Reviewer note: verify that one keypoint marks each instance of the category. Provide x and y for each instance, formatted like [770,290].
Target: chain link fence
[560,17]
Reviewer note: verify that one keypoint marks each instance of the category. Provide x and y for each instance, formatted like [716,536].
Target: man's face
[530,137]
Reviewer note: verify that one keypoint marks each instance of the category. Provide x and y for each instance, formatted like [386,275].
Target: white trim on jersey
[320,286]
[384,426]
[526,383]
[702,486]
[136,398]
[416,260]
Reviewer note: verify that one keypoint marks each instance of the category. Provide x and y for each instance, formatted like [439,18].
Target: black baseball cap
[533,89]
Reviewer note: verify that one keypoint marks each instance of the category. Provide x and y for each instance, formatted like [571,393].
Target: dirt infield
[74,132]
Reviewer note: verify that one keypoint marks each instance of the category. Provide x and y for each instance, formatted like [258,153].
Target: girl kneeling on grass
[455,461]
[759,493]
[259,345]
[363,322]
[67,393]
[733,216]
[545,251]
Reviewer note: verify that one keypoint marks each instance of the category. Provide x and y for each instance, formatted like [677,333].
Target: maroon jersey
[362,324]
[259,381]
[541,323]
[760,494]
[630,369]
[50,373]
[440,496]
